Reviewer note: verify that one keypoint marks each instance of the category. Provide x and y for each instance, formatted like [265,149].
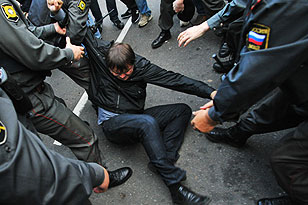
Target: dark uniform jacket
[274,54]
[129,96]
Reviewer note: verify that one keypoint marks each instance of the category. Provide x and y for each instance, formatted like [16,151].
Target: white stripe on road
[84,98]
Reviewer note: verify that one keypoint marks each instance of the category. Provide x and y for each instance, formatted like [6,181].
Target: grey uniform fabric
[49,116]
[32,174]
[274,56]
[230,10]
[165,21]
[39,15]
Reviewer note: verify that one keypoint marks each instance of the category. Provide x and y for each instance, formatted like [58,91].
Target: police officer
[273,56]
[32,174]
[28,60]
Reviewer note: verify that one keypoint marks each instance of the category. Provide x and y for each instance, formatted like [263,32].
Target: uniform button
[221,24]
[8,149]
[214,29]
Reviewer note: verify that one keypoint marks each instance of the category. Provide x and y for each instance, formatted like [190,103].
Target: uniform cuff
[213,115]
[97,174]
[59,16]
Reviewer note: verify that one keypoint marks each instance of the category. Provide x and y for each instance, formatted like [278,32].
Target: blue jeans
[143,7]
[161,131]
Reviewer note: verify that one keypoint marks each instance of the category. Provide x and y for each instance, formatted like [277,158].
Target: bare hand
[77,50]
[192,33]
[59,30]
[54,5]
[202,121]
[207,105]
[178,6]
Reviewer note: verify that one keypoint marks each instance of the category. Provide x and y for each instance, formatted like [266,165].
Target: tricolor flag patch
[255,38]
[258,37]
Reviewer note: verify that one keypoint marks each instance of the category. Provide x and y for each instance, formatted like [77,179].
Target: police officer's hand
[77,50]
[59,30]
[178,6]
[192,33]
[54,5]
[202,121]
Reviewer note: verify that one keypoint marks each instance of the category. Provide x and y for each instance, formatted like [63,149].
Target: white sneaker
[144,20]
[184,23]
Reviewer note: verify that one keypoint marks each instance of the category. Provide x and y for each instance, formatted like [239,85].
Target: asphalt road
[228,175]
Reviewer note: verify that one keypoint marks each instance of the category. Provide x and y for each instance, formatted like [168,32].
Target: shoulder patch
[9,12]
[3,133]
[258,37]
[81,5]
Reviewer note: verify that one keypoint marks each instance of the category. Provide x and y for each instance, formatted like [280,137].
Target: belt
[40,88]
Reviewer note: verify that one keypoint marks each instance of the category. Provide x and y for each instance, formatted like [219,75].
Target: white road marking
[84,98]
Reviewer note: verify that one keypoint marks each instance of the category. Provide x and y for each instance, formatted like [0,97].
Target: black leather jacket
[129,96]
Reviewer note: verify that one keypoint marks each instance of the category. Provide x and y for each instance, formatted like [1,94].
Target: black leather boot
[223,67]
[224,50]
[183,195]
[119,176]
[163,36]
[283,200]
[233,136]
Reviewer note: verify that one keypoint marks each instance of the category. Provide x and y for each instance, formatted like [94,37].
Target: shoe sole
[140,26]
[125,17]
[201,203]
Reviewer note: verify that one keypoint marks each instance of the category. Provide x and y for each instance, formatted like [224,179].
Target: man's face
[123,75]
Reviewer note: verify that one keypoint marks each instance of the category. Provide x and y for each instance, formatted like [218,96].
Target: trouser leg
[165,21]
[172,120]
[95,9]
[133,128]
[79,72]
[212,6]
[111,4]
[131,4]
[143,7]
[275,113]
[52,118]
[290,164]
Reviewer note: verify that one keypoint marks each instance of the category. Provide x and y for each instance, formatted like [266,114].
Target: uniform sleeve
[43,32]
[230,10]
[168,79]
[78,15]
[19,43]
[260,71]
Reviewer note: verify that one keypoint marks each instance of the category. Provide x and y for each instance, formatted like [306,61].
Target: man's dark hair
[120,55]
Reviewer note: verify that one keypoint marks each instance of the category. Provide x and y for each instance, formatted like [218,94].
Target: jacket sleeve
[230,10]
[260,71]
[19,43]
[158,76]
[43,32]
[78,15]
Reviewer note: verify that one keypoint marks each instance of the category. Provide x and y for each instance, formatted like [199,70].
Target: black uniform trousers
[289,161]
[166,11]
[160,129]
